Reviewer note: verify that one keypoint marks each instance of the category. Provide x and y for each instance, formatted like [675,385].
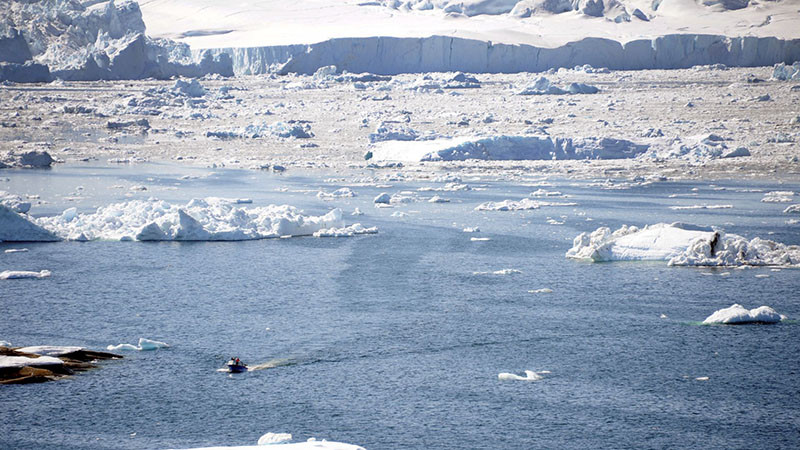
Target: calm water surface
[392,340]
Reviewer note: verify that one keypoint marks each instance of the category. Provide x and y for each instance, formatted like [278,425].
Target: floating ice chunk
[310,444]
[211,219]
[15,227]
[524,204]
[144,344]
[581,88]
[540,291]
[681,245]
[349,231]
[737,314]
[658,242]
[383,198]
[499,272]
[69,214]
[530,375]
[792,209]
[191,88]
[778,197]
[542,86]
[480,239]
[339,193]
[21,274]
[49,350]
[4,343]
[14,202]
[16,250]
[785,72]
[7,362]
[681,208]
[437,199]
[274,438]
[391,132]
[471,230]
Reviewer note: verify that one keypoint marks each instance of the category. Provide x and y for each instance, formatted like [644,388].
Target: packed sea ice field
[581,257]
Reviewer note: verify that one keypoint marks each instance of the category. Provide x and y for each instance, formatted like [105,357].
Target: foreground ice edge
[210,219]
[681,245]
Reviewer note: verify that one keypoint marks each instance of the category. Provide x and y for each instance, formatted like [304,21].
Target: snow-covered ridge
[681,245]
[210,219]
[395,55]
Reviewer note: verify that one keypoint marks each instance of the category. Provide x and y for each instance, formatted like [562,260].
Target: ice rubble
[98,40]
[543,86]
[15,227]
[33,159]
[144,345]
[21,274]
[737,314]
[786,72]
[14,202]
[681,245]
[521,205]
[264,129]
[210,219]
[507,148]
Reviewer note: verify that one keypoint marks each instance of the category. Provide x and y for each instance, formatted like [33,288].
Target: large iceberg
[97,40]
[681,245]
[209,219]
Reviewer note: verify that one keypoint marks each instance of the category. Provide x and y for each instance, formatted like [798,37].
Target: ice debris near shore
[738,314]
[508,148]
[33,159]
[100,40]
[681,245]
[144,345]
[210,219]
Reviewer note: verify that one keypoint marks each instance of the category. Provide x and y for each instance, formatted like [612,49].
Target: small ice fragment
[529,376]
[540,291]
[16,250]
[701,378]
[475,239]
[20,274]
[144,344]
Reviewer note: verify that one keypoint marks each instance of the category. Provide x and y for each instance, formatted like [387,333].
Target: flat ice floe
[20,274]
[738,314]
[144,345]
[530,375]
[521,205]
[681,245]
[311,444]
[210,219]
[507,148]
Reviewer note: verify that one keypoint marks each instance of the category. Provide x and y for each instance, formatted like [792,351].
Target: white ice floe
[20,274]
[521,205]
[144,344]
[792,209]
[691,207]
[49,350]
[778,197]
[540,291]
[737,314]
[348,231]
[339,193]
[681,245]
[7,362]
[499,272]
[530,375]
[14,202]
[4,343]
[507,148]
[310,444]
[210,219]
[264,129]
[16,250]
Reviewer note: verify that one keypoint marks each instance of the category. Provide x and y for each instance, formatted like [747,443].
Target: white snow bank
[144,344]
[210,219]
[521,205]
[49,350]
[681,245]
[737,314]
[530,375]
[20,274]
[23,361]
[507,148]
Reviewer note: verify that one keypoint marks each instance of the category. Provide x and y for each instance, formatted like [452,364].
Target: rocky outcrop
[21,367]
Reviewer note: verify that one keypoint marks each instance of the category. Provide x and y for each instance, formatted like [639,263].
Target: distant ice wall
[391,55]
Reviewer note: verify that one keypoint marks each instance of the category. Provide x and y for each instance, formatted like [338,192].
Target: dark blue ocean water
[391,340]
